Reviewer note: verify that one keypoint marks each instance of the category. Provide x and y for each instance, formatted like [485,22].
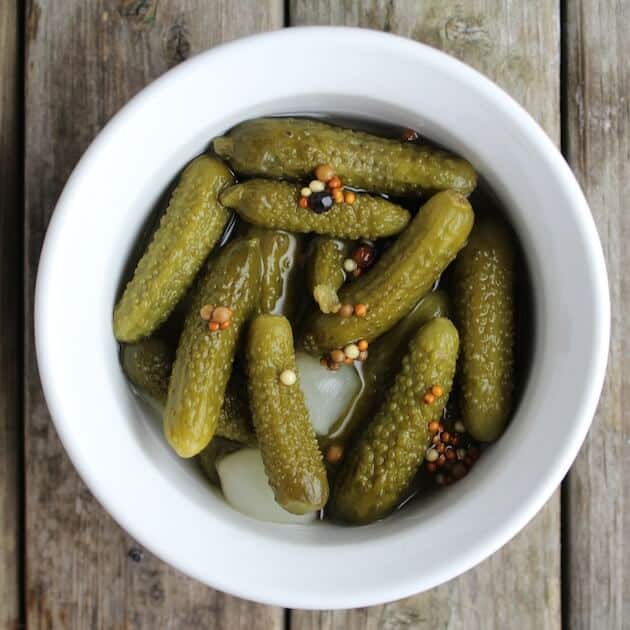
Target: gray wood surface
[84,60]
[597,513]
[518,46]
[10,295]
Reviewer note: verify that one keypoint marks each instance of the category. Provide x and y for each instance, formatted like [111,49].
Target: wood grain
[597,521]
[10,309]
[517,45]
[84,60]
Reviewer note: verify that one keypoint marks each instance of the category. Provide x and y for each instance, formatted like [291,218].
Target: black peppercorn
[320,202]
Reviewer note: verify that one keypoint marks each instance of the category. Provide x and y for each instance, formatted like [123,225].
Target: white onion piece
[327,394]
[246,489]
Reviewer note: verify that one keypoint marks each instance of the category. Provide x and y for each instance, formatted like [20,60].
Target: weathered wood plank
[10,293]
[84,60]
[598,149]
[517,45]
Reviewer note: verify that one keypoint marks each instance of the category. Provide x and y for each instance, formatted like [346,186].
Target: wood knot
[141,14]
[177,44]
[467,31]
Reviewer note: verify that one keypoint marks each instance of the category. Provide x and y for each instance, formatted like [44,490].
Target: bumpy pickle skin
[403,274]
[274,204]
[189,229]
[384,358]
[279,250]
[325,273]
[381,465]
[287,441]
[292,148]
[483,297]
[204,359]
[148,364]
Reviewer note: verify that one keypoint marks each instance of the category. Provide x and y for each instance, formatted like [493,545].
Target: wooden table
[66,66]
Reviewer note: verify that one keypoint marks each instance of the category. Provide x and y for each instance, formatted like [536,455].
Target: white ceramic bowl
[162,501]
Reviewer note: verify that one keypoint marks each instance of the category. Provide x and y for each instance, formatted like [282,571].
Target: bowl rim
[539,492]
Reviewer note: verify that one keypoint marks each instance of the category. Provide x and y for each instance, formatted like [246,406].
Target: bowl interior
[114,442]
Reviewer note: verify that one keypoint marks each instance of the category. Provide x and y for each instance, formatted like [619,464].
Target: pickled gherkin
[384,358]
[483,296]
[293,148]
[147,364]
[189,229]
[403,274]
[325,274]
[204,359]
[274,204]
[279,250]
[293,461]
[381,465]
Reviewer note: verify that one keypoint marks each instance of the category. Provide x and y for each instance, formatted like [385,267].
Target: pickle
[483,296]
[204,359]
[384,359]
[293,461]
[381,465]
[403,274]
[235,419]
[208,458]
[274,204]
[279,250]
[189,229]
[293,148]
[325,273]
[147,364]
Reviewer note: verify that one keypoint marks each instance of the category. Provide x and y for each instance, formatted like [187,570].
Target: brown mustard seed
[360,310]
[346,310]
[222,314]
[206,312]
[437,391]
[213,326]
[224,325]
[349,197]
[348,361]
[334,453]
[409,135]
[440,448]
[450,454]
[324,172]
[429,399]
[431,467]
[364,256]
[445,437]
[337,196]
[303,202]
[362,344]
[337,356]
[334,182]
[357,272]
[433,427]
[459,470]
